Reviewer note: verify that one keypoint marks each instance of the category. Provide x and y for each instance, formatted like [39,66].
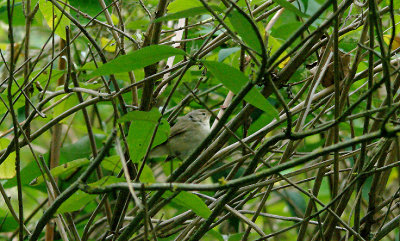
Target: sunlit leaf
[7,168]
[396,41]
[115,19]
[275,45]
[108,44]
[57,20]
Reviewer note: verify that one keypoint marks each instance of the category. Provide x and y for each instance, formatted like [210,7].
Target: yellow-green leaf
[7,168]
[275,44]
[58,19]
[108,44]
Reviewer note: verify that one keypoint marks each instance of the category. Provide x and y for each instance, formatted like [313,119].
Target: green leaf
[259,123]
[187,13]
[44,76]
[190,201]
[147,175]
[275,45]
[17,104]
[291,198]
[77,150]
[65,105]
[90,7]
[138,24]
[57,171]
[46,8]
[291,7]
[80,148]
[7,168]
[181,5]
[112,163]
[138,59]
[7,222]
[141,129]
[18,17]
[77,201]
[224,53]
[169,238]
[213,234]
[235,80]
[105,181]
[245,30]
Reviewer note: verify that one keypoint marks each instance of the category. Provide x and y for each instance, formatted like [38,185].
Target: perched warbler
[187,134]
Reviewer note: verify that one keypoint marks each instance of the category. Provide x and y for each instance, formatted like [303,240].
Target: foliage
[304,97]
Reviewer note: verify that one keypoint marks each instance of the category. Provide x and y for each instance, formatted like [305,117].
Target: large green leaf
[235,80]
[141,130]
[138,59]
[245,30]
[46,8]
[62,169]
[190,201]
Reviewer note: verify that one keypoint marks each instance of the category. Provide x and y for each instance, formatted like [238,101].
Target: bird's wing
[177,129]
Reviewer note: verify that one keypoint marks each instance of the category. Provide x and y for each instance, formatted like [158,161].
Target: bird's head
[200,115]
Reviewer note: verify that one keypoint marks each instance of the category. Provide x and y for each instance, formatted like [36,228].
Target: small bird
[187,134]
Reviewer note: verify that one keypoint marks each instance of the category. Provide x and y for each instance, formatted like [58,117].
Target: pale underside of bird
[185,136]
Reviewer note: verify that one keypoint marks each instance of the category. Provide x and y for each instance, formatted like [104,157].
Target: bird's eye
[204,113]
